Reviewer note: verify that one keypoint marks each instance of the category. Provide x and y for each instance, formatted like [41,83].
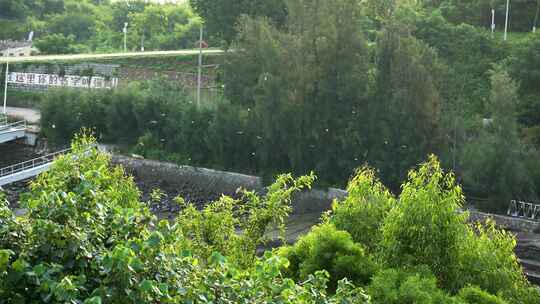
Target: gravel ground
[13,153]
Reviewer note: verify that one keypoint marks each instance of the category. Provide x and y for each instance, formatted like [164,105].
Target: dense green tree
[475,295]
[301,111]
[164,26]
[469,53]
[493,250]
[87,238]
[80,25]
[525,69]
[13,9]
[494,161]
[98,24]
[58,44]
[405,111]
[41,8]
[426,228]
[221,16]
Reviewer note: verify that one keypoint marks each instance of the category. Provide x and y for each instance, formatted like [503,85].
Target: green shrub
[475,295]
[215,228]
[488,259]
[363,212]
[397,286]
[425,227]
[326,248]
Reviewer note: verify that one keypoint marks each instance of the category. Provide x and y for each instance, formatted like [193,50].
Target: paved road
[106,56]
[30,115]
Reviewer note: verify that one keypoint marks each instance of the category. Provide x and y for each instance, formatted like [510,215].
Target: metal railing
[19,125]
[31,164]
[524,210]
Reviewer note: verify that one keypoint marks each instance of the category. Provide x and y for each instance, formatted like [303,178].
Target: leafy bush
[363,212]
[326,248]
[475,295]
[214,229]
[397,286]
[425,227]
[488,261]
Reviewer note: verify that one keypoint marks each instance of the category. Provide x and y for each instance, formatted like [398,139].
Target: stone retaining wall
[210,184]
[174,175]
[509,223]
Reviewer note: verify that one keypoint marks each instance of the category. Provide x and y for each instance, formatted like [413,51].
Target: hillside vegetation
[75,26]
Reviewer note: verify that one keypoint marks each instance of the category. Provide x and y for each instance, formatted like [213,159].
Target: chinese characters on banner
[66,81]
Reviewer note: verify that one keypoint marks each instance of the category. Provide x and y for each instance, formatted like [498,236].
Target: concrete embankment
[506,222]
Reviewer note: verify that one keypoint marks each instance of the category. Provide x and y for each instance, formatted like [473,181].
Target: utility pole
[5,87]
[125,36]
[506,21]
[536,16]
[200,68]
[492,22]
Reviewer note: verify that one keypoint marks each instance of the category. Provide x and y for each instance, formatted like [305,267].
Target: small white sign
[73,81]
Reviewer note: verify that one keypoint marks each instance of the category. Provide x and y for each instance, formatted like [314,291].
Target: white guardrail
[524,210]
[19,125]
[31,164]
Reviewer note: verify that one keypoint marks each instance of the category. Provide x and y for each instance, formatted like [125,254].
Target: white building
[15,48]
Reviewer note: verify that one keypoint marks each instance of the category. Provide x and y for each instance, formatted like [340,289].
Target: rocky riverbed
[13,153]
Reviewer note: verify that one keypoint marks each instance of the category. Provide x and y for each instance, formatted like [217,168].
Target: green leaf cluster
[326,248]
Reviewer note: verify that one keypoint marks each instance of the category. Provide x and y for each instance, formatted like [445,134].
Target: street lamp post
[492,23]
[506,21]
[125,36]
[5,87]
[199,72]
[536,16]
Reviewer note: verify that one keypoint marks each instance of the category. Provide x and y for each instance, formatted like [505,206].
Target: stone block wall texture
[212,182]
